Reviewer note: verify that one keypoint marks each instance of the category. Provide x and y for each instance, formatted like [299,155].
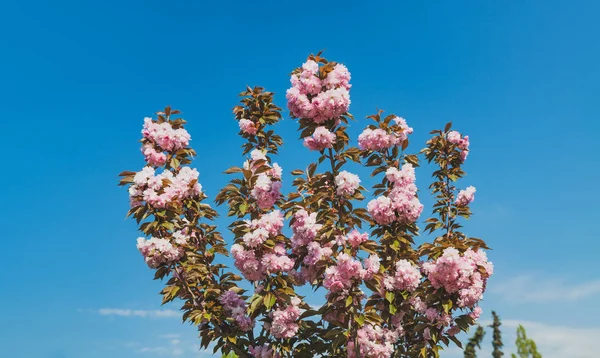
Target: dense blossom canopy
[385,295]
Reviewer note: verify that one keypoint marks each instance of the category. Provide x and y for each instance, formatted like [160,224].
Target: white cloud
[138,313]
[170,346]
[528,288]
[557,341]
[162,350]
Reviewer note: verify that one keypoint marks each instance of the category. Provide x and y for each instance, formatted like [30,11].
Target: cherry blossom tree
[385,296]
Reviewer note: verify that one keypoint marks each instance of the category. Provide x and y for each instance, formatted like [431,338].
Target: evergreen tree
[496,337]
[474,341]
[526,348]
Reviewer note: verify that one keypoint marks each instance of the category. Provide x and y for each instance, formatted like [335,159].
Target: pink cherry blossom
[316,253]
[407,276]
[338,77]
[346,183]
[375,139]
[152,156]
[236,306]
[163,135]
[247,263]
[465,197]
[266,192]
[165,188]
[262,352]
[320,100]
[247,126]
[371,267]
[305,228]
[402,177]
[158,251]
[321,138]
[355,238]
[374,342]
[382,210]
[285,321]
[456,273]
[340,276]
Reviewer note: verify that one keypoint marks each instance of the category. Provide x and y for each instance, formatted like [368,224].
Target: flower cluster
[460,274]
[318,95]
[152,156]
[305,228]
[341,276]
[165,136]
[263,351]
[374,342]
[160,190]
[417,304]
[379,139]
[401,204]
[465,197]
[461,142]
[247,126]
[267,189]
[441,319]
[158,251]
[407,277]
[346,183]
[252,259]
[321,139]
[355,238]
[316,253]
[268,225]
[236,307]
[181,237]
[285,321]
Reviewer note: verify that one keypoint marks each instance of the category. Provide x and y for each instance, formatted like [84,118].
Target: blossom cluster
[460,274]
[346,183]
[247,126]
[407,277]
[341,276]
[267,189]
[461,142]
[153,156]
[318,95]
[254,260]
[236,307]
[355,238]
[158,251]
[160,190]
[401,204]
[379,139]
[304,228]
[164,137]
[285,321]
[320,139]
[263,351]
[374,342]
[465,197]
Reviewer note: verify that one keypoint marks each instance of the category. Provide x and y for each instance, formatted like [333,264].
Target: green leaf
[348,301]
[269,300]
[254,305]
[389,296]
[447,306]
[360,319]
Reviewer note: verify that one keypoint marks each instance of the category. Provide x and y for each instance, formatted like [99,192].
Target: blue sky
[520,77]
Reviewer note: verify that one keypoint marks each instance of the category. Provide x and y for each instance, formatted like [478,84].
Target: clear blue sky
[522,78]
